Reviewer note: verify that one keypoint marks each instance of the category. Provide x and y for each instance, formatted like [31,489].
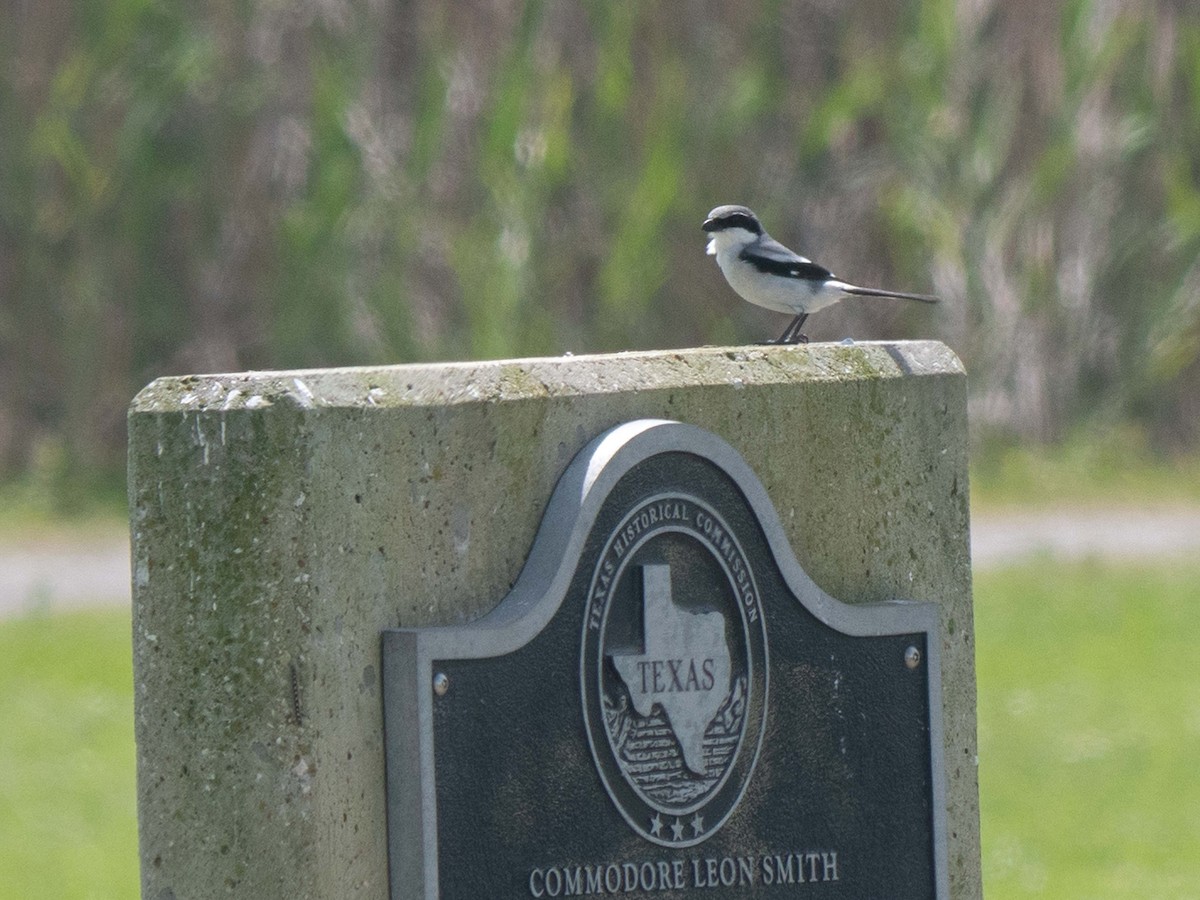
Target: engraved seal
[673,669]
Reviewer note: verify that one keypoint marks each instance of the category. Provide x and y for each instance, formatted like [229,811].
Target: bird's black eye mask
[734,220]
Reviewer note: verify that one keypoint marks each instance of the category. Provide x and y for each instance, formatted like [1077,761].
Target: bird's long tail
[893,295]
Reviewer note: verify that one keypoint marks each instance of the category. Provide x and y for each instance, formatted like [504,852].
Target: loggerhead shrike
[766,273]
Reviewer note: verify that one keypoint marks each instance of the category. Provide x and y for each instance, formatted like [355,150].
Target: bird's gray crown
[725,217]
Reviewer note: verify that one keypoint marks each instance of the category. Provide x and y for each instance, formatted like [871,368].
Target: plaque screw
[441,684]
[912,657]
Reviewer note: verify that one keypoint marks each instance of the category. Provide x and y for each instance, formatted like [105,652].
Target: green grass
[1112,468]
[68,810]
[23,520]
[53,501]
[1089,730]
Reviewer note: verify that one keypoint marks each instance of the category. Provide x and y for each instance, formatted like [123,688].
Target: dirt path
[68,573]
[63,573]
[1117,534]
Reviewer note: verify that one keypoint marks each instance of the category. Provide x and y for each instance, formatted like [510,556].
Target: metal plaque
[666,704]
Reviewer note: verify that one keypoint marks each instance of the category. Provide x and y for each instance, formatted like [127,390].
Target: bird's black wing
[771,257]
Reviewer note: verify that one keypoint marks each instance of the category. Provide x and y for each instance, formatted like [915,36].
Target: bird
[764,272]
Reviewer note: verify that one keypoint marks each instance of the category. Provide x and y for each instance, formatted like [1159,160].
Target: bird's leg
[791,334]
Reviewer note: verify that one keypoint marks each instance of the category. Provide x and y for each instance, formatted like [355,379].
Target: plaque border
[408,653]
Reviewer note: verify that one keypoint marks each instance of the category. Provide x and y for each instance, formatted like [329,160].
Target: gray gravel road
[61,574]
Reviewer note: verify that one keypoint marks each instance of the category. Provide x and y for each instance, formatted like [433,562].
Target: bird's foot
[791,334]
[782,342]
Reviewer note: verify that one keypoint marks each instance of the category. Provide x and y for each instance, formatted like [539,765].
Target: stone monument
[298,536]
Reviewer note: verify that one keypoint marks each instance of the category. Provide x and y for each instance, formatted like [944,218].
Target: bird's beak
[709,225]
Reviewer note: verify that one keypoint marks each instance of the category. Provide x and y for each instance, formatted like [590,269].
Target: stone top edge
[427,384]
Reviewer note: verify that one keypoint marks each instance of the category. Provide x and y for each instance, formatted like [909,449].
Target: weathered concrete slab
[281,520]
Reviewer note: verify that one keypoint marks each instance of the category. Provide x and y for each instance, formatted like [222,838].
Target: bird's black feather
[779,260]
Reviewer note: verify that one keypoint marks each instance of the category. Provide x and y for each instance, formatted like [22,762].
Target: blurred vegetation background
[216,186]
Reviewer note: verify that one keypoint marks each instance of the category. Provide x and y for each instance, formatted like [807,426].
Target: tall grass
[206,186]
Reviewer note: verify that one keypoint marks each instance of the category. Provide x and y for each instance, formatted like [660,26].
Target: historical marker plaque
[666,704]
